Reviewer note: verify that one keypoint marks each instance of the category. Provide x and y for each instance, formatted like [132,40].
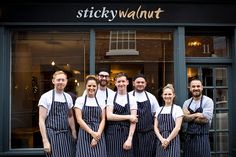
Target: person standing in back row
[144,141]
[198,112]
[121,120]
[56,121]
[103,91]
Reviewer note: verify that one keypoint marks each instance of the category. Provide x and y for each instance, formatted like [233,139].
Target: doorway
[216,86]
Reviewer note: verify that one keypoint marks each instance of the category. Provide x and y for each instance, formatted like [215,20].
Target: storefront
[170,42]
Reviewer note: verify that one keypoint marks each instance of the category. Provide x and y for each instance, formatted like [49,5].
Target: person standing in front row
[198,112]
[121,120]
[56,121]
[90,115]
[167,125]
[144,141]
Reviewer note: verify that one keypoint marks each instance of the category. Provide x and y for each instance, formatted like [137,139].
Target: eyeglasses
[102,76]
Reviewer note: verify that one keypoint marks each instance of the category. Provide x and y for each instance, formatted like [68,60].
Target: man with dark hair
[121,120]
[144,137]
[103,91]
[198,113]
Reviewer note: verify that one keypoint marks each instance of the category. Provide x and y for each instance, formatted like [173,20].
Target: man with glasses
[103,91]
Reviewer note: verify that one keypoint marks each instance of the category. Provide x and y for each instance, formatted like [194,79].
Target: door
[215,82]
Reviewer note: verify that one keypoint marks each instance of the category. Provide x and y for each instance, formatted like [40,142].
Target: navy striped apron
[57,127]
[92,117]
[117,132]
[166,124]
[144,141]
[197,139]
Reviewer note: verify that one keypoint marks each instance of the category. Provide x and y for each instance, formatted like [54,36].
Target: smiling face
[121,84]
[59,81]
[196,88]
[91,88]
[168,96]
[139,84]
[103,78]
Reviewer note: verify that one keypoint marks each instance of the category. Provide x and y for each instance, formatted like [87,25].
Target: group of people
[121,123]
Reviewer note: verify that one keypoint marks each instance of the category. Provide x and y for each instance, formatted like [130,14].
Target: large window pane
[154,57]
[35,57]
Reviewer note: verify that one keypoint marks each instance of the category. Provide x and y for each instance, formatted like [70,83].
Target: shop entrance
[215,82]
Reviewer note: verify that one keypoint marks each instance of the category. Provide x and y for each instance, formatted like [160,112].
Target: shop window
[122,43]
[35,57]
[155,58]
[206,46]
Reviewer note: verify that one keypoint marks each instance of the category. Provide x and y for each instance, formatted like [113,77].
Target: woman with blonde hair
[167,123]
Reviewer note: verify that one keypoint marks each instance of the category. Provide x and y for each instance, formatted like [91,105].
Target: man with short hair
[56,121]
[144,141]
[103,91]
[198,113]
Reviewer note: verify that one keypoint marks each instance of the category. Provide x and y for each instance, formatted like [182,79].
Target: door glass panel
[221,98]
[221,120]
[208,92]
[35,57]
[207,76]
[221,74]
[206,46]
[222,142]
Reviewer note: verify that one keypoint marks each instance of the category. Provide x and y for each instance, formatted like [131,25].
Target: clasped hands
[165,143]
[96,137]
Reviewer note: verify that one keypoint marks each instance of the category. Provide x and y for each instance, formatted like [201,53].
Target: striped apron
[144,141]
[58,132]
[92,117]
[197,139]
[117,132]
[166,124]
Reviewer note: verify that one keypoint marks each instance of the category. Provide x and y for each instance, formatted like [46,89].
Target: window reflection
[221,120]
[206,46]
[154,57]
[221,98]
[222,142]
[221,77]
[32,69]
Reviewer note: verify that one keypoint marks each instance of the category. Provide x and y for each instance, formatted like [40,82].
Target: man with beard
[198,112]
[103,91]
[144,141]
